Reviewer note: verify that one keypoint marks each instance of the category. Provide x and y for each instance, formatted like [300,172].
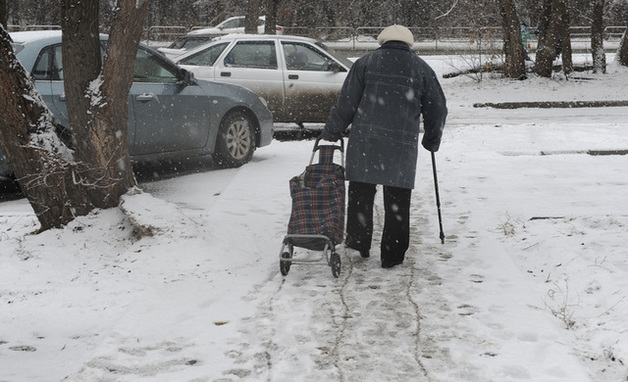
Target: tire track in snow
[379,339]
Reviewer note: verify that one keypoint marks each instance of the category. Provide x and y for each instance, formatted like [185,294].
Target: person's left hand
[329,136]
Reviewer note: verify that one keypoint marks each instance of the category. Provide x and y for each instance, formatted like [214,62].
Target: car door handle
[62,98]
[293,76]
[225,74]
[146,97]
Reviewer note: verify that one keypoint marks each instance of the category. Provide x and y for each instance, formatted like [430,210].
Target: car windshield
[190,42]
[206,57]
[335,54]
[232,23]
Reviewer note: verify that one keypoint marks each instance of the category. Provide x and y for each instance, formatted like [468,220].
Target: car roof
[28,44]
[27,37]
[241,36]
[229,38]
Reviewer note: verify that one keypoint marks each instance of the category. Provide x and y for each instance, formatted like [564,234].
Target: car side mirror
[333,66]
[188,78]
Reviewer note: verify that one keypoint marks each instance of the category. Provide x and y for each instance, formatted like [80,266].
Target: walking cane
[440,218]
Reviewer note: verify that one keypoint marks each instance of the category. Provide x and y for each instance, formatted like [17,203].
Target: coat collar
[394,44]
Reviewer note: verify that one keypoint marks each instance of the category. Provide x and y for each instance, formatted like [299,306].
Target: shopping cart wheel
[334,261]
[284,265]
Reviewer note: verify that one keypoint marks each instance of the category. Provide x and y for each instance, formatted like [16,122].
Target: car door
[312,79]
[253,64]
[170,115]
[50,84]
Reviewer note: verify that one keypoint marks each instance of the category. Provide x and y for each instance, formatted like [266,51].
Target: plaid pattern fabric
[318,202]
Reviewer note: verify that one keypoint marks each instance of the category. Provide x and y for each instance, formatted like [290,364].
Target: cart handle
[340,148]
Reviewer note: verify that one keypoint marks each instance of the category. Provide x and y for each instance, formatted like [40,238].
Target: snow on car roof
[28,36]
[241,36]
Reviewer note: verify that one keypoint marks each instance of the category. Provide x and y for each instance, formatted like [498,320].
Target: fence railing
[366,34]
[361,35]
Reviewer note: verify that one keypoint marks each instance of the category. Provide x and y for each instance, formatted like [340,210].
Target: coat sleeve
[341,115]
[434,110]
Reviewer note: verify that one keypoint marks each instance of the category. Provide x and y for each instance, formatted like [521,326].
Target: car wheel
[235,142]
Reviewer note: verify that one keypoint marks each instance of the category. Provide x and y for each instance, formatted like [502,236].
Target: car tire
[235,142]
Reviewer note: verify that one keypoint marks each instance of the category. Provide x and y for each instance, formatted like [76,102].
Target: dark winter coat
[383,97]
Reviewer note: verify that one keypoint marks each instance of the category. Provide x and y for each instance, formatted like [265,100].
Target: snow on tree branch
[448,12]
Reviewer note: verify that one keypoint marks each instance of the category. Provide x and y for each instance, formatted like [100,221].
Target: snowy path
[365,325]
[530,285]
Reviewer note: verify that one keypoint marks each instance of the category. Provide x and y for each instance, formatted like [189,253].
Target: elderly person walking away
[383,98]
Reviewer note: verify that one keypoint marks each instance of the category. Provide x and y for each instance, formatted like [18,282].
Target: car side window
[252,54]
[304,57]
[207,57]
[149,68]
[57,64]
[48,65]
[43,66]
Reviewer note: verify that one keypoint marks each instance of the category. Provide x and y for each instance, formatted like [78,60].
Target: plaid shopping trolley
[318,210]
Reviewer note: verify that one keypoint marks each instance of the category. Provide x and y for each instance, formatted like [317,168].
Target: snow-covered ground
[531,283]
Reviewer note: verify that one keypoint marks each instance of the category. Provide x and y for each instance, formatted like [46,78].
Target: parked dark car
[171,114]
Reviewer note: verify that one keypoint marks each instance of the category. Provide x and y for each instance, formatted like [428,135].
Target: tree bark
[597,37]
[554,34]
[271,17]
[546,49]
[514,66]
[252,15]
[43,165]
[562,15]
[58,183]
[98,105]
[622,51]
[111,131]
[4,15]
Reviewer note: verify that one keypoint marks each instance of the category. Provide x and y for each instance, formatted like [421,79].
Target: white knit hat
[396,33]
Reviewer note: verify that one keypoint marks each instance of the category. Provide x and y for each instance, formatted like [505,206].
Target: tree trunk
[271,17]
[58,184]
[622,51]
[554,38]
[546,49]
[514,66]
[4,15]
[43,165]
[111,131]
[97,106]
[562,15]
[597,37]
[252,15]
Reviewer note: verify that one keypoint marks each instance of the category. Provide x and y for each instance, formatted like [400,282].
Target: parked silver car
[235,24]
[171,114]
[299,77]
[202,35]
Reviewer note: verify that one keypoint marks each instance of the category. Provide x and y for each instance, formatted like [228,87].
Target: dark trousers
[396,235]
